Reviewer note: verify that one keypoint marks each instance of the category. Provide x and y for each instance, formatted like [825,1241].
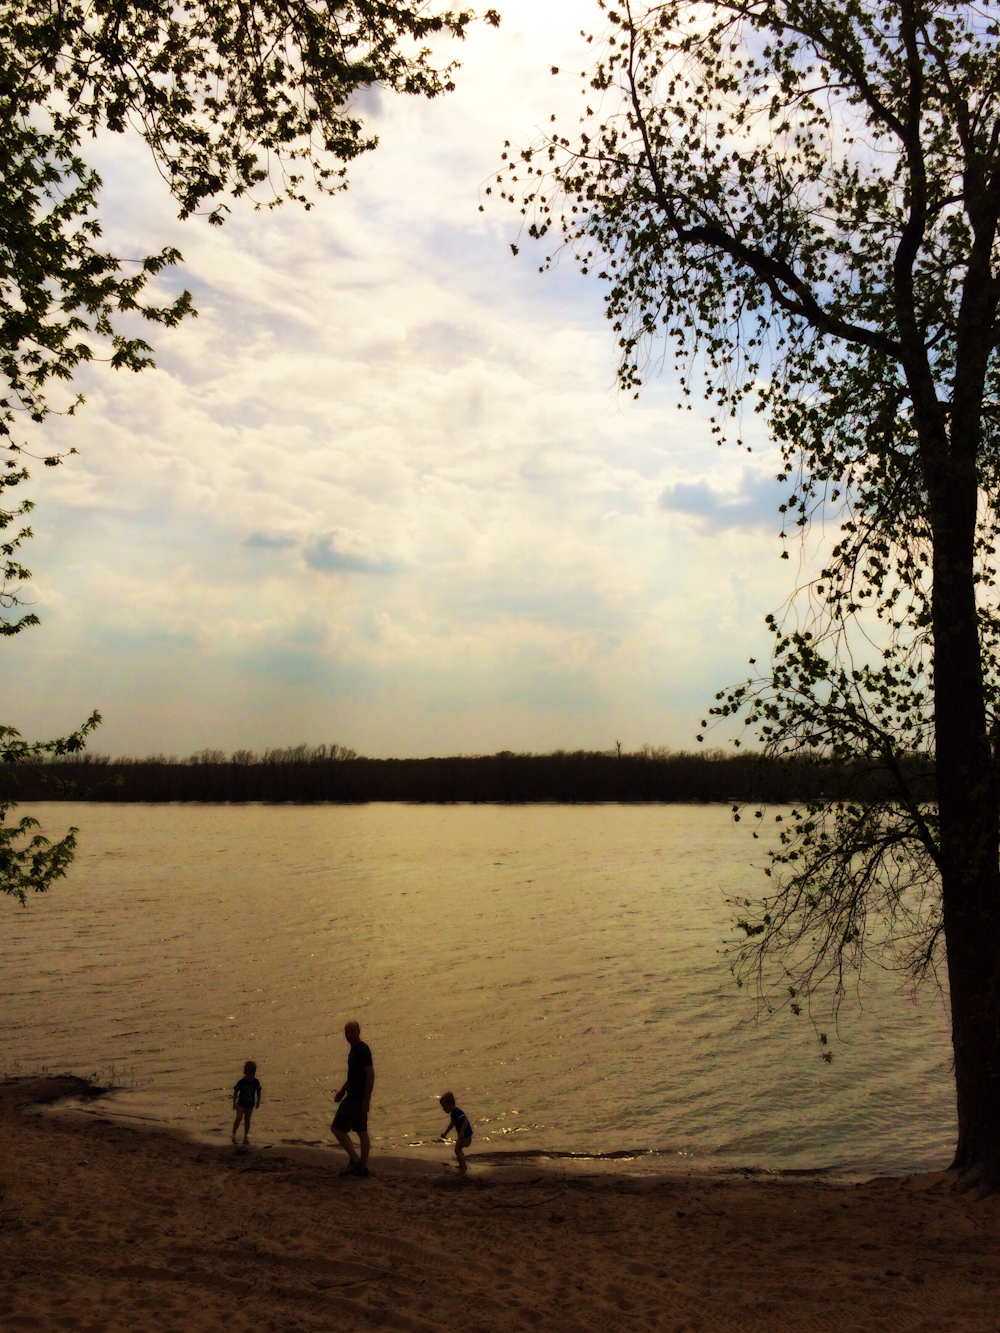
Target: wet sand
[106,1227]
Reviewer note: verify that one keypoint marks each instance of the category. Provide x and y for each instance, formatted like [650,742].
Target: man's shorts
[350,1117]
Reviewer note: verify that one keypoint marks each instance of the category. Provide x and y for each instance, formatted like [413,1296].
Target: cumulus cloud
[753,504]
[322,552]
[269,541]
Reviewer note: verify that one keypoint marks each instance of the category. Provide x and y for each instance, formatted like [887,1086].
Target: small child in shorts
[246,1098]
[462,1125]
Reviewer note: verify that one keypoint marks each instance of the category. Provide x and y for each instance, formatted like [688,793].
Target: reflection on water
[558,967]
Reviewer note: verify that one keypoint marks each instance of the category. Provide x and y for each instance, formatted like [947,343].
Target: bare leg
[462,1164]
[247,1111]
[345,1142]
[236,1122]
[366,1146]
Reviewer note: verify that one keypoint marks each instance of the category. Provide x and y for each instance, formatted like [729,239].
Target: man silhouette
[355,1098]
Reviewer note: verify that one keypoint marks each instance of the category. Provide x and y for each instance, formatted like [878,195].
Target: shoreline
[431,1158]
[109,1228]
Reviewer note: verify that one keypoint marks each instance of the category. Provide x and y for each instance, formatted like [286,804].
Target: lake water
[558,967]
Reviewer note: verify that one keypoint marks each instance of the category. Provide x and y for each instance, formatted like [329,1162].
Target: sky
[383,491]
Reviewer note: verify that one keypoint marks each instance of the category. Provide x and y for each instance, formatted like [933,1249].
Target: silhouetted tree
[334,773]
[807,194]
[29,861]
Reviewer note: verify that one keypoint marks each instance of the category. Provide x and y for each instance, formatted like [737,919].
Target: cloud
[270,541]
[383,489]
[754,504]
[321,552]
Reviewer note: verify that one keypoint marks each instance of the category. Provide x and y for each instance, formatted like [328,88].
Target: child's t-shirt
[461,1124]
[246,1092]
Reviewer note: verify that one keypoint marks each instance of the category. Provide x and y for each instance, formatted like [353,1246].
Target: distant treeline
[332,773]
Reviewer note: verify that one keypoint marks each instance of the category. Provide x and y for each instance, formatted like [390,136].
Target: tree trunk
[969,837]
[972,934]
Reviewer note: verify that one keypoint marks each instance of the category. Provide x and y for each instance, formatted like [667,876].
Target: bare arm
[339,1096]
[369,1084]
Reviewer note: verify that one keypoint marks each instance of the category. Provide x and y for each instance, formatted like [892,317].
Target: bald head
[352,1031]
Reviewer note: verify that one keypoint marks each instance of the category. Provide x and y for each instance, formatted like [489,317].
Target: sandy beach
[105,1227]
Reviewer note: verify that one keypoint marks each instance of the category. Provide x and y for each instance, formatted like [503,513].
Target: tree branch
[776,273]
